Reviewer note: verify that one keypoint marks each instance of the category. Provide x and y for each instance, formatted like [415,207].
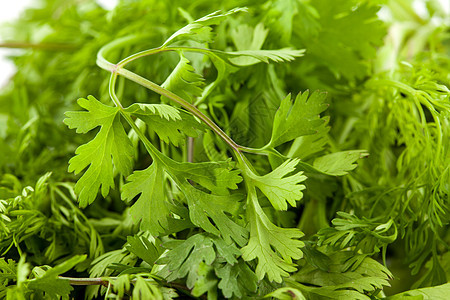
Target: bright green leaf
[300,118]
[265,239]
[339,163]
[110,147]
[279,187]
[151,207]
[184,81]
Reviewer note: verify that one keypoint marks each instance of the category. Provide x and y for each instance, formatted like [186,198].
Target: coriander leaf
[51,284]
[145,248]
[206,282]
[172,131]
[368,276]
[249,42]
[184,81]
[250,57]
[150,208]
[243,58]
[265,239]
[300,118]
[439,292]
[144,289]
[247,38]
[185,258]
[236,279]
[216,176]
[100,265]
[210,212]
[330,293]
[339,163]
[305,146]
[225,252]
[280,188]
[204,207]
[281,14]
[110,145]
[7,271]
[350,27]
[315,257]
[121,284]
[163,110]
[200,30]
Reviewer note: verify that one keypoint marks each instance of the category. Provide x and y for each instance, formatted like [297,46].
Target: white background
[9,11]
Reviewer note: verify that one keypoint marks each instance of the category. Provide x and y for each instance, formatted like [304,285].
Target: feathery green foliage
[291,149]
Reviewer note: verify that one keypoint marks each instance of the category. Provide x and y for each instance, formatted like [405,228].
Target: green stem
[120,70]
[148,145]
[39,46]
[141,54]
[177,99]
[85,281]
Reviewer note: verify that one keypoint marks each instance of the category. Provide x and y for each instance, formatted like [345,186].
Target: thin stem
[177,99]
[112,92]
[38,46]
[107,283]
[135,56]
[85,281]
[190,149]
[148,145]
[102,62]
[118,69]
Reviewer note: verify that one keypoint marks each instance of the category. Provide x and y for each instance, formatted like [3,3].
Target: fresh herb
[286,150]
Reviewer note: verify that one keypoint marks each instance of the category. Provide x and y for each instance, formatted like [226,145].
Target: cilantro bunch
[290,149]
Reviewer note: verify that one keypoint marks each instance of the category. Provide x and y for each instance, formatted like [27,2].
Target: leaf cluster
[288,150]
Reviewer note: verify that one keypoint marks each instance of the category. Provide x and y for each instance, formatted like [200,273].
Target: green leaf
[145,248]
[51,284]
[300,118]
[163,110]
[352,28]
[366,235]
[280,188]
[237,279]
[315,257]
[23,270]
[151,207]
[185,258]
[145,289]
[172,131]
[439,292]
[215,176]
[274,247]
[306,146]
[211,212]
[206,282]
[247,38]
[367,276]
[100,265]
[121,284]
[339,163]
[200,30]
[110,146]
[250,57]
[184,81]
[8,271]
